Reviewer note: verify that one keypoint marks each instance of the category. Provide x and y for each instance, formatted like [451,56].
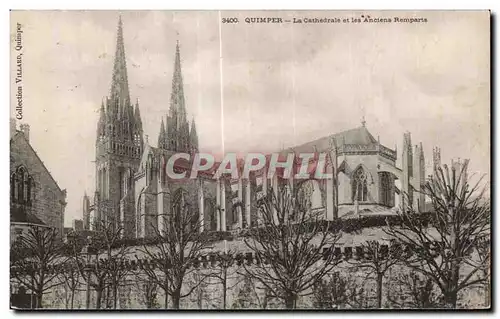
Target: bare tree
[441,248]
[248,296]
[376,260]
[148,290]
[337,292]
[412,290]
[331,292]
[116,253]
[176,249]
[71,277]
[293,247]
[227,270]
[32,256]
[200,295]
[102,267]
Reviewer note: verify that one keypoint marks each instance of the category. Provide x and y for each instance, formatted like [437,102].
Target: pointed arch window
[29,189]
[359,186]
[385,188]
[21,175]
[149,169]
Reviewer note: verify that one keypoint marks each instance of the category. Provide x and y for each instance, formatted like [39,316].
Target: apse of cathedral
[133,191]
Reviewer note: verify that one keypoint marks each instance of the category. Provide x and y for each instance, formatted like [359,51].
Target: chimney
[25,128]
[12,127]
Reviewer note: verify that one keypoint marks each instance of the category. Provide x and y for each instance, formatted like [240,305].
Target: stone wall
[132,293]
[48,200]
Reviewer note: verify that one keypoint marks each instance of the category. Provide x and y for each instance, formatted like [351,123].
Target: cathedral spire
[193,137]
[177,103]
[120,96]
[162,135]
[177,125]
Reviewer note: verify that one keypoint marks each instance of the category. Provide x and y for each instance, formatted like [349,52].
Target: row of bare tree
[445,255]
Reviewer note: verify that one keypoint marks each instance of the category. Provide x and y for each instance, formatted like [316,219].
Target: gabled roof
[20,135]
[356,136]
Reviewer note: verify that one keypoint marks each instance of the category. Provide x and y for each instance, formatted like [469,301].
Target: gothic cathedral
[133,192]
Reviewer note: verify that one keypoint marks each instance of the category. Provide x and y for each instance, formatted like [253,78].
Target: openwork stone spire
[120,96]
[177,132]
[177,102]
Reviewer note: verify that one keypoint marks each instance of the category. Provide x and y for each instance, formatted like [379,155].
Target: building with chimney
[133,191]
[35,197]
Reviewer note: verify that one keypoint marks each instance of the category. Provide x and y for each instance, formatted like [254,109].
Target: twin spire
[119,119]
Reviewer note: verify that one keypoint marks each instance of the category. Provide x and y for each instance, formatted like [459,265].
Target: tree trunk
[166,298]
[176,299]
[380,278]
[115,295]
[38,300]
[106,297]
[72,299]
[450,299]
[451,295]
[291,301]
[224,291]
[98,298]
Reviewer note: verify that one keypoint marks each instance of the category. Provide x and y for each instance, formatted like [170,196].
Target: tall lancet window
[385,188]
[29,190]
[359,186]
[21,175]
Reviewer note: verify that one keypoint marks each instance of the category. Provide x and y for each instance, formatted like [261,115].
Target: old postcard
[334,160]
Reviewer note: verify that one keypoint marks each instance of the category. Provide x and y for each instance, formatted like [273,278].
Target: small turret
[419,177]
[86,211]
[101,125]
[407,167]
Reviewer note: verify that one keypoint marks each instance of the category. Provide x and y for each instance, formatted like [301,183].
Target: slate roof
[357,136]
[20,135]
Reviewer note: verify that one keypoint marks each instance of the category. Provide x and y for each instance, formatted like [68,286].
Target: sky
[257,87]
